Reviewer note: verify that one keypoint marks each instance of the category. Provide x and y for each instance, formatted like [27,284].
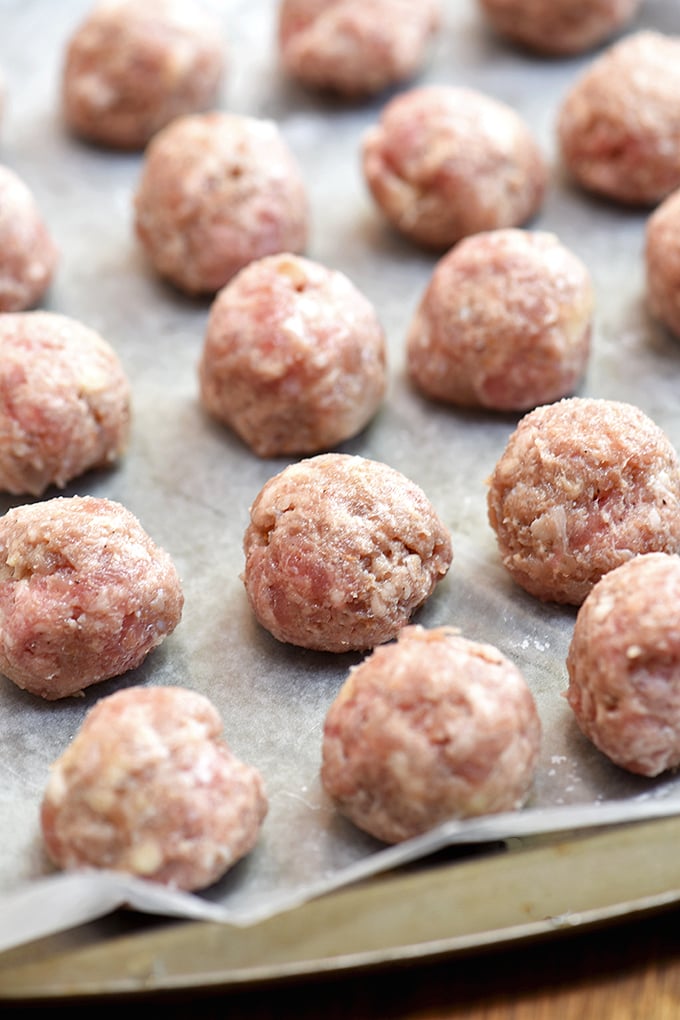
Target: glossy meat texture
[445,162]
[559,27]
[582,486]
[504,323]
[28,253]
[624,665]
[133,65]
[356,48]
[294,357]
[64,402]
[662,262]
[340,552]
[619,125]
[216,191]
[431,728]
[85,594]
[148,786]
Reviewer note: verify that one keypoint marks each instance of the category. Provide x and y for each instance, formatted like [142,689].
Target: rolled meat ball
[355,48]
[218,190]
[85,594]
[504,323]
[429,729]
[28,253]
[624,665]
[64,402]
[340,552]
[561,27]
[662,262]
[445,162]
[130,67]
[582,486]
[294,357]
[619,124]
[148,786]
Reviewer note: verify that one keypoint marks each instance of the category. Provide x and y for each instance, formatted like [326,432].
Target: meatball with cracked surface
[624,665]
[148,786]
[216,191]
[561,27]
[340,552]
[355,48]
[64,402]
[662,262]
[504,323]
[432,728]
[28,253]
[582,486]
[444,162]
[85,594]
[133,65]
[294,357]
[619,124]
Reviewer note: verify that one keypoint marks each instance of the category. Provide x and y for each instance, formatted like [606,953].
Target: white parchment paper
[191,483]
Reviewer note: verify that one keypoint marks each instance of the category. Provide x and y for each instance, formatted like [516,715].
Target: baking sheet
[190,482]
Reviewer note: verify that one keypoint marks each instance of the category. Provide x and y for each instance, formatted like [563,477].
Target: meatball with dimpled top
[504,323]
[148,786]
[28,253]
[559,27]
[85,594]
[133,65]
[294,357]
[355,47]
[582,486]
[429,729]
[445,162]
[340,552]
[624,665]
[216,191]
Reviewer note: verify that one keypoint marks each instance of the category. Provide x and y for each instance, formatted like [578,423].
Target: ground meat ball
[28,255]
[85,594]
[355,47]
[132,67]
[431,728]
[619,125]
[64,402]
[624,665]
[294,357]
[560,27]
[340,552]
[445,162]
[149,787]
[582,486]
[218,190]
[504,324]
[662,261]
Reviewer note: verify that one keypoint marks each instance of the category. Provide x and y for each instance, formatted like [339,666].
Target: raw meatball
[294,357]
[431,728]
[445,162]
[662,261]
[619,125]
[559,27]
[582,486]
[134,65]
[505,322]
[85,594]
[340,552]
[28,255]
[218,190]
[355,47]
[149,787]
[64,402]
[624,665]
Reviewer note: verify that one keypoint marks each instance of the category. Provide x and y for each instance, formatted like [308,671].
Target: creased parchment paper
[191,483]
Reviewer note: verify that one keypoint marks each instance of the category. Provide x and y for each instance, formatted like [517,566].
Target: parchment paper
[191,482]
